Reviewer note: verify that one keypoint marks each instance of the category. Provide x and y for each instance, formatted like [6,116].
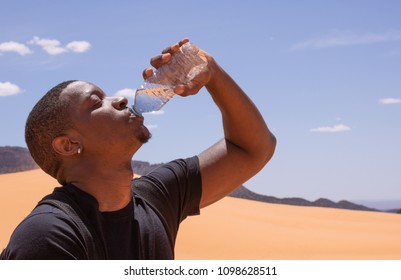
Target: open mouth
[132,111]
[133,115]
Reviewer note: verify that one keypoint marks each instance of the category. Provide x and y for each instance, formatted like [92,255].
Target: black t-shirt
[145,229]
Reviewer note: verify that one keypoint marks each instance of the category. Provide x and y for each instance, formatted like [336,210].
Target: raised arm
[247,144]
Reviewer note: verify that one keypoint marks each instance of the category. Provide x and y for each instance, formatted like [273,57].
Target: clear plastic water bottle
[157,90]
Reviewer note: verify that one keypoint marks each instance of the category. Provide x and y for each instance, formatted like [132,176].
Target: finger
[183,41]
[194,85]
[179,89]
[147,73]
[190,88]
[159,60]
[175,48]
[172,49]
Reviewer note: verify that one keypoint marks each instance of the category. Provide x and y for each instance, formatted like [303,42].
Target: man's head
[48,119]
[76,120]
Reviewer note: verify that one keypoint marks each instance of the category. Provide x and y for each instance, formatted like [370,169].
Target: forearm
[247,144]
[243,124]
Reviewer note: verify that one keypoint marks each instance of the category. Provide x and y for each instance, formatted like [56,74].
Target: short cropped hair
[48,119]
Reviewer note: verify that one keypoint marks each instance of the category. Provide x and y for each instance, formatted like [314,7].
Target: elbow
[272,145]
[267,149]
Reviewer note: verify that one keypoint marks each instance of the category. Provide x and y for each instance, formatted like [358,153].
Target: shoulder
[170,179]
[179,171]
[46,233]
[173,189]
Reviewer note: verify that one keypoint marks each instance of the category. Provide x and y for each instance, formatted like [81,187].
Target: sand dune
[19,193]
[240,229]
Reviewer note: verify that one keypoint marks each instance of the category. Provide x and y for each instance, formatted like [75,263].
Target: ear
[64,146]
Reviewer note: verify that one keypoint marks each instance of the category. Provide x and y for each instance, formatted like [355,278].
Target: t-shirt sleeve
[46,234]
[173,190]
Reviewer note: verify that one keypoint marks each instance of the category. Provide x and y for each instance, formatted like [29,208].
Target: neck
[109,183]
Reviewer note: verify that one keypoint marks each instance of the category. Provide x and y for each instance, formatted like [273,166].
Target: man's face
[104,124]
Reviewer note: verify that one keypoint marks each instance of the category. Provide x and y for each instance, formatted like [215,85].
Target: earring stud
[79,151]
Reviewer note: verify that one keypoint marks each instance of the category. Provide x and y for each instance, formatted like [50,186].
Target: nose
[120,102]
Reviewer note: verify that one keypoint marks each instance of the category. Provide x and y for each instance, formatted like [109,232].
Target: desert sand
[236,229]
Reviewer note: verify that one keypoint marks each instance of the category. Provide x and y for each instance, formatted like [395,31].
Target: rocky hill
[245,193]
[143,167]
[14,159]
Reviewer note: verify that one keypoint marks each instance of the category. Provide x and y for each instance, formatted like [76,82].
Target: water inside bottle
[158,88]
[151,97]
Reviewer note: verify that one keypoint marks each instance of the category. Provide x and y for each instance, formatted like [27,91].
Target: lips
[133,116]
[130,110]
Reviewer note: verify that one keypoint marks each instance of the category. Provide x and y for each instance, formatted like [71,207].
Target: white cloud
[8,88]
[160,112]
[54,47]
[335,128]
[342,39]
[50,46]
[78,46]
[151,126]
[12,46]
[390,100]
[126,92]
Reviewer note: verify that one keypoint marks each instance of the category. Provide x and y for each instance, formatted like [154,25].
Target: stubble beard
[144,136]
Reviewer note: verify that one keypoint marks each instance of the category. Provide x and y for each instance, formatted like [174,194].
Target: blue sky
[324,74]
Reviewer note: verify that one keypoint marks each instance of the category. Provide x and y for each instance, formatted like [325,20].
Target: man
[86,140]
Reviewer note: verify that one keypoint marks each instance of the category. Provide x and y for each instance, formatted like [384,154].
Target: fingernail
[178,90]
[164,57]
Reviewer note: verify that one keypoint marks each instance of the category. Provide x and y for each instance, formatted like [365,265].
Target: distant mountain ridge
[243,192]
[143,167]
[15,159]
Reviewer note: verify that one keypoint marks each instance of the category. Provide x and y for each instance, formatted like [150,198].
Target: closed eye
[96,100]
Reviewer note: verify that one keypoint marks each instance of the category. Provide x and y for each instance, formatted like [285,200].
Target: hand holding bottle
[180,69]
[193,83]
